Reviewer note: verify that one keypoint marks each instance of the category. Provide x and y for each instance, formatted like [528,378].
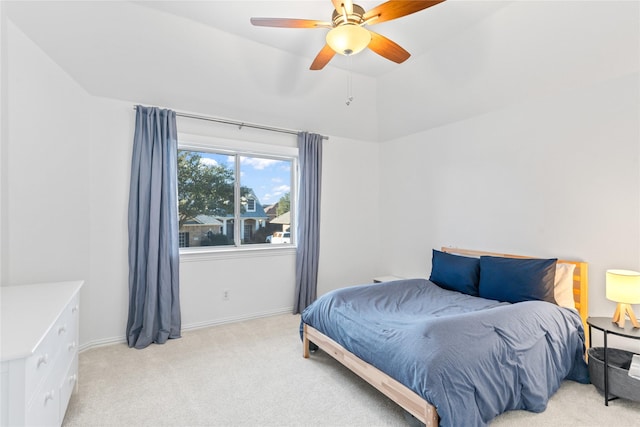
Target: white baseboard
[192,326]
[235,319]
[101,343]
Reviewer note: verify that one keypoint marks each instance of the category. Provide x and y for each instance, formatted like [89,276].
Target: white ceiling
[67,28]
[468,57]
[221,65]
[417,33]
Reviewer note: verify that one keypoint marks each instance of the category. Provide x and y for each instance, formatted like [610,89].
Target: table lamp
[623,287]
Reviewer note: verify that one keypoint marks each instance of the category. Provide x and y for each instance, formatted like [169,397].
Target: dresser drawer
[56,349]
[67,332]
[69,381]
[38,367]
[44,408]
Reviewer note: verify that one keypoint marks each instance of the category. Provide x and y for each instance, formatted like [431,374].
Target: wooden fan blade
[289,23]
[323,58]
[396,9]
[387,48]
[348,4]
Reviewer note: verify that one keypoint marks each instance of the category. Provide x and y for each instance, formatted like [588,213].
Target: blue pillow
[455,272]
[517,280]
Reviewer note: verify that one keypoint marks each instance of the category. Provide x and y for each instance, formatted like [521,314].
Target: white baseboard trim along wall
[192,326]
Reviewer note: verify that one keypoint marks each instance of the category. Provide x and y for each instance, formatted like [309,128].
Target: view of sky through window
[270,179]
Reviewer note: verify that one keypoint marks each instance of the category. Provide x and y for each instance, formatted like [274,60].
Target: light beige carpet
[253,373]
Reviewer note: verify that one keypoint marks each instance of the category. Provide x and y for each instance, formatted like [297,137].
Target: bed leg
[305,342]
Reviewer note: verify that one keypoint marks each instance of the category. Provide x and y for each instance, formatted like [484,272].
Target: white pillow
[563,285]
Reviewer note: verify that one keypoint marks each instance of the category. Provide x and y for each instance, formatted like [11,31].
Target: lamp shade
[348,39]
[623,286]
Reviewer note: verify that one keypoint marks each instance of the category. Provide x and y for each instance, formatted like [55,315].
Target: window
[183,238]
[233,199]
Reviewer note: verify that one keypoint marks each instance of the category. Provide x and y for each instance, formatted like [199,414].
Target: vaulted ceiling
[468,57]
[417,32]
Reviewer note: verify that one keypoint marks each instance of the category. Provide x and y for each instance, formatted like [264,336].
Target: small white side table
[388,278]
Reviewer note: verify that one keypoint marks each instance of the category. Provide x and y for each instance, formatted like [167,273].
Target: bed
[412,339]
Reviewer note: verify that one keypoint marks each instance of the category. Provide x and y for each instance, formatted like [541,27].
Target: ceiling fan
[348,35]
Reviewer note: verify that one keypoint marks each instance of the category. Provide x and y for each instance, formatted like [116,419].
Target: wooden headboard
[580,277]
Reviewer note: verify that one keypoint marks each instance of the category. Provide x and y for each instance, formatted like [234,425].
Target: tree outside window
[208,183]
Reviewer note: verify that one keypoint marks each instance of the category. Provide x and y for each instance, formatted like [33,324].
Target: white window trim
[242,148]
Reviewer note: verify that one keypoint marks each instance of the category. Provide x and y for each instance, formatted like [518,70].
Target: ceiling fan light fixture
[348,39]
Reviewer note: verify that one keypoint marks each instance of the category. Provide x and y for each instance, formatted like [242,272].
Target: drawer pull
[49,396]
[42,360]
[74,309]
[72,379]
[71,346]
[62,329]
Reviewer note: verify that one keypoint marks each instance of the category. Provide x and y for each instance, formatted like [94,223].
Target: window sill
[232,252]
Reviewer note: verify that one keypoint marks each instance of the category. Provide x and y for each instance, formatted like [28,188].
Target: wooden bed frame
[398,392]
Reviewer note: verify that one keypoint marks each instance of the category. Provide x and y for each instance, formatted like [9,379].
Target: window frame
[239,148]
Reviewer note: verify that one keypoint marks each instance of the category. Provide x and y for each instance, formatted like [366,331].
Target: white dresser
[39,352]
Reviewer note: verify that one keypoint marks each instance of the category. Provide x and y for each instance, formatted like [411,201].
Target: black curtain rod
[236,123]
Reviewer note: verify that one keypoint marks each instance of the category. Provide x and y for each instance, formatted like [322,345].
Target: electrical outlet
[225,295]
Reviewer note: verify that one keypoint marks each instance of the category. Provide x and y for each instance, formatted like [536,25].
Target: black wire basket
[620,383]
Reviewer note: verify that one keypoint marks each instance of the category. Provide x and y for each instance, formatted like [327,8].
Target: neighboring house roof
[285,218]
[271,210]
[203,220]
[258,213]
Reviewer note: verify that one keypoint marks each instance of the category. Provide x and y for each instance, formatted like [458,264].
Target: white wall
[348,254]
[351,233]
[549,167]
[106,293]
[160,59]
[4,136]
[48,170]
[68,181]
[525,50]
[546,165]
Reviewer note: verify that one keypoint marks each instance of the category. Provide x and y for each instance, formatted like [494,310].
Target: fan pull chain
[349,83]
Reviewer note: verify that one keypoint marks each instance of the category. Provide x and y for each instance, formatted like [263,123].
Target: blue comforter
[470,357]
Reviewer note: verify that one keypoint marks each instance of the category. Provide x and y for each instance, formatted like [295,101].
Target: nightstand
[605,325]
[389,278]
